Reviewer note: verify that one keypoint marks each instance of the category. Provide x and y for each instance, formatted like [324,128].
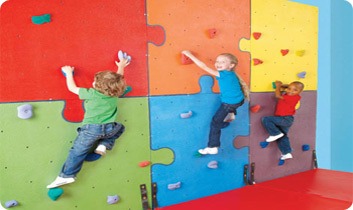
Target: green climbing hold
[41,19]
[55,193]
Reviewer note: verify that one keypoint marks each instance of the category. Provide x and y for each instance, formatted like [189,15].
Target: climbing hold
[300,53]
[41,19]
[144,163]
[92,157]
[127,90]
[257,61]
[123,55]
[174,186]
[55,193]
[305,147]
[185,60]
[25,111]
[197,154]
[280,162]
[256,35]
[111,199]
[255,108]
[273,85]
[212,164]
[11,203]
[263,144]
[212,32]
[284,52]
[301,74]
[186,115]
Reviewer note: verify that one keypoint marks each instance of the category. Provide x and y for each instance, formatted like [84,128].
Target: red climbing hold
[255,108]
[144,163]
[284,52]
[257,61]
[212,32]
[185,60]
[256,35]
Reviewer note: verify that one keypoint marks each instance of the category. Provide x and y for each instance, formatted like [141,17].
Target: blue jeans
[218,122]
[276,125]
[88,137]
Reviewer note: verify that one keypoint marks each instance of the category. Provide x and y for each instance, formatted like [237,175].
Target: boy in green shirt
[98,126]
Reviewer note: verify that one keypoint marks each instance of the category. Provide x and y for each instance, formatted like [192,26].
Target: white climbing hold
[111,199]
[25,111]
[212,164]
[174,186]
[124,55]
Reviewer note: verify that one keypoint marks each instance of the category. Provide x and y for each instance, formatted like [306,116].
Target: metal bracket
[144,198]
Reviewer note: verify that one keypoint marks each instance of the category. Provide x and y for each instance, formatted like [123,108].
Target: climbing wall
[283,46]
[207,29]
[37,38]
[41,37]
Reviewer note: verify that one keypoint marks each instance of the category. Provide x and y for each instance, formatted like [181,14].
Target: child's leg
[77,154]
[271,123]
[113,132]
[216,125]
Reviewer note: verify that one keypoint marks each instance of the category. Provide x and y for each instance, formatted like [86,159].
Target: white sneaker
[209,151]
[274,138]
[230,117]
[286,156]
[61,181]
[101,150]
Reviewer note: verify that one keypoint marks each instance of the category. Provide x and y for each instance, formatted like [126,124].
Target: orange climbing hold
[257,61]
[256,35]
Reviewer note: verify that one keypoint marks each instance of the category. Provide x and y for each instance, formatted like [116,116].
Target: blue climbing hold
[280,162]
[127,90]
[305,147]
[263,144]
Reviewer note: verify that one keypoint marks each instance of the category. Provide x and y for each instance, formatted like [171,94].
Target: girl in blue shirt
[233,90]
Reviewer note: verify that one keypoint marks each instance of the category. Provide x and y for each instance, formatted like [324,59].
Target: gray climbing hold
[212,164]
[174,186]
[112,199]
[11,203]
[186,115]
[25,111]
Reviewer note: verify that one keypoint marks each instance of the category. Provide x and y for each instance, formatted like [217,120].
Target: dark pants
[218,122]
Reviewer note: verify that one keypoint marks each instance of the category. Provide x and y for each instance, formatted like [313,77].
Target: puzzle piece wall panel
[185,136]
[302,132]
[287,48]
[86,35]
[32,152]
[187,25]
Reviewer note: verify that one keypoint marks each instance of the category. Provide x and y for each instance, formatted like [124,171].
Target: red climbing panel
[311,190]
[84,34]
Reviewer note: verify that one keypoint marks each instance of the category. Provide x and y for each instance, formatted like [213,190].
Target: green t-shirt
[99,108]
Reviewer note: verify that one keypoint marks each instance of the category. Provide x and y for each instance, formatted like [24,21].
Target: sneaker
[230,117]
[61,181]
[101,150]
[286,156]
[274,138]
[209,151]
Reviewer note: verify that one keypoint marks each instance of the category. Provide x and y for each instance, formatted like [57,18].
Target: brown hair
[109,83]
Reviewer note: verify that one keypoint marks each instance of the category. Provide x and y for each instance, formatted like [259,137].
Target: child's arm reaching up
[70,82]
[278,93]
[121,65]
[200,64]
